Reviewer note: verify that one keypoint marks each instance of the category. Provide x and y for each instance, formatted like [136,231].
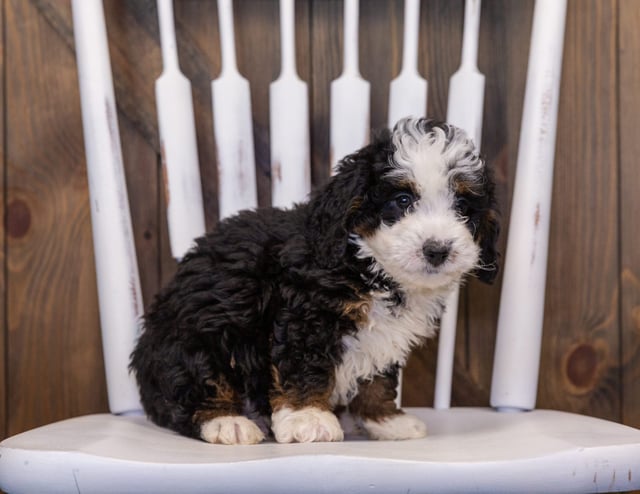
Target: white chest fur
[385,338]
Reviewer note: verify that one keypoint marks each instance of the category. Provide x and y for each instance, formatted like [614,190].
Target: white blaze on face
[429,162]
[429,166]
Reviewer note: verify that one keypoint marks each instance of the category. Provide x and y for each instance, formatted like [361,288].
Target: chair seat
[467,449]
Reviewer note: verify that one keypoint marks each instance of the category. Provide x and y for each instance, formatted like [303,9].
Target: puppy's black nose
[436,252]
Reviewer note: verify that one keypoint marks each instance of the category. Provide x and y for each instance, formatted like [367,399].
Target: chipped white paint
[116,266]
[349,121]
[176,123]
[232,125]
[517,357]
[408,91]
[289,122]
[465,107]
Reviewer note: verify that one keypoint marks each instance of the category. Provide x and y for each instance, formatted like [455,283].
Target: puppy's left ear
[487,231]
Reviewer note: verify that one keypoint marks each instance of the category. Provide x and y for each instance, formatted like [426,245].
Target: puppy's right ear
[335,208]
[331,211]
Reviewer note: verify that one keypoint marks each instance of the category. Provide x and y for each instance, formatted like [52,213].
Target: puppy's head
[418,202]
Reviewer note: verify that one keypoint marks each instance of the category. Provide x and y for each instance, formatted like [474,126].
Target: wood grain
[376,17]
[3,291]
[629,122]
[258,48]
[55,367]
[580,354]
[326,56]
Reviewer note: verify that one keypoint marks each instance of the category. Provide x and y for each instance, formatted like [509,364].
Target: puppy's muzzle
[436,252]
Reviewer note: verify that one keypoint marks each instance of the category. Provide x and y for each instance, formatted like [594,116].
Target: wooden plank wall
[50,351]
[629,118]
[3,332]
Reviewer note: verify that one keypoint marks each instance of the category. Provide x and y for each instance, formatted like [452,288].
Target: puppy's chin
[443,278]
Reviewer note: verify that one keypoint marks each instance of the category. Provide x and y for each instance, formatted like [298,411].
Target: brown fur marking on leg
[223,402]
[296,399]
[375,399]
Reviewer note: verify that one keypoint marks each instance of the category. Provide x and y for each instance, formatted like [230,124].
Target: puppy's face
[428,219]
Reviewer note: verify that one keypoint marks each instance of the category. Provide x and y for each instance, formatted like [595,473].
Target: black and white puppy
[279,316]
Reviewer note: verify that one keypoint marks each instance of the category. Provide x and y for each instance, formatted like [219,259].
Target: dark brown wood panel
[629,122]
[258,52]
[580,354]
[55,367]
[326,65]
[380,39]
[3,292]
[440,48]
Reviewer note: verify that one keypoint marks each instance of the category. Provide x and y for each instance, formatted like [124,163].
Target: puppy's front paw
[233,429]
[395,427]
[306,425]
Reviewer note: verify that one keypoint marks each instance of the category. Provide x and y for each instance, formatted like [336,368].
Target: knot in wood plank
[18,218]
[582,367]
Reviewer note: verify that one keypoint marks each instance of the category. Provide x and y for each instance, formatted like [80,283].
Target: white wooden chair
[467,449]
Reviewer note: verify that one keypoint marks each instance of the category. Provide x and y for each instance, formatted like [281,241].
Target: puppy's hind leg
[374,406]
[220,419]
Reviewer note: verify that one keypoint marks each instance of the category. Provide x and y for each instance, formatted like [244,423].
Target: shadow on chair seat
[467,449]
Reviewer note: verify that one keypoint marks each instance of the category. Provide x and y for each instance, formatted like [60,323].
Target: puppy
[279,316]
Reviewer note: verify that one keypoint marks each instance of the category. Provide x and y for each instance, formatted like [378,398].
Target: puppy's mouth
[447,268]
[451,270]
[420,272]
[430,269]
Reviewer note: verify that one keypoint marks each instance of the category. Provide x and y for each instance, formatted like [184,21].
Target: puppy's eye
[462,205]
[403,200]
[396,207]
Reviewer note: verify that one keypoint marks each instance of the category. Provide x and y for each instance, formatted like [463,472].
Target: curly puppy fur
[279,316]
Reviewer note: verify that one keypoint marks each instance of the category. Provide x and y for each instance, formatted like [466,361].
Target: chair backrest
[519,331]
